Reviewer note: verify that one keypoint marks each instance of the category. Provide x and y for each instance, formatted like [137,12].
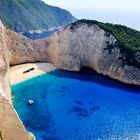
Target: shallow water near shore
[78,106]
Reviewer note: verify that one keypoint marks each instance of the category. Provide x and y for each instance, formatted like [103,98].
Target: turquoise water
[78,106]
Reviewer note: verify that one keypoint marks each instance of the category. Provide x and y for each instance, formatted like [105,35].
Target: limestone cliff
[70,49]
[22,50]
[75,47]
[10,125]
[4,64]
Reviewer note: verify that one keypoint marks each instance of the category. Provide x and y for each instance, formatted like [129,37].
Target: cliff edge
[4,65]
[80,44]
[11,127]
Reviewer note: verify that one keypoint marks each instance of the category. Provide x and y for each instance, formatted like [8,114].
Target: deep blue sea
[78,106]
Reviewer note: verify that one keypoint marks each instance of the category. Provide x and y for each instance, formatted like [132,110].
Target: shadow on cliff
[87,74]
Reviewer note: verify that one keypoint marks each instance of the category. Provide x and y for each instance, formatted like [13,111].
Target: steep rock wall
[69,49]
[10,125]
[4,64]
[23,50]
[73,48]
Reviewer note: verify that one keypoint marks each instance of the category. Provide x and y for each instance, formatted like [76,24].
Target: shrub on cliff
[127,37]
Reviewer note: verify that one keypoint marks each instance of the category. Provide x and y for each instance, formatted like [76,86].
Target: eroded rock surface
[4,64]
[10,125]
[71,49]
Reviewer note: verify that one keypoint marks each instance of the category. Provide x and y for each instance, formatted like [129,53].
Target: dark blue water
[78,106]
[39,35]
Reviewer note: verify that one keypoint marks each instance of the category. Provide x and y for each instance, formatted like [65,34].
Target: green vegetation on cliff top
[127,37]
[25,15]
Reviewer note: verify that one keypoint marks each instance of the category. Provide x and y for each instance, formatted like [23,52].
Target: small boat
[30,102]
[26,71]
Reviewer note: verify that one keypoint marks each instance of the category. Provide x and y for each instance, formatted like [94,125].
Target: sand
[16,72]
[8,115]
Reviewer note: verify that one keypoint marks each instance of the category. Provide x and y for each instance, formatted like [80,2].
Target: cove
[78,106]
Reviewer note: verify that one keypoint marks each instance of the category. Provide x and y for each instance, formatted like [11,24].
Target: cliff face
[91,46]
[4,64]
[75,47]
[10,124]
[70,49]
[23,50]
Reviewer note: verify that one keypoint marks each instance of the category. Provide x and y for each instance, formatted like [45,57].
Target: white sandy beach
[17,75]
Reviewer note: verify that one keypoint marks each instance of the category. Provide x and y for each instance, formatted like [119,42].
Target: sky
[125,12]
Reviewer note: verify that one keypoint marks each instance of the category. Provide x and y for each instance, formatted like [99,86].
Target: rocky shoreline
[10,124]
[71,49]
